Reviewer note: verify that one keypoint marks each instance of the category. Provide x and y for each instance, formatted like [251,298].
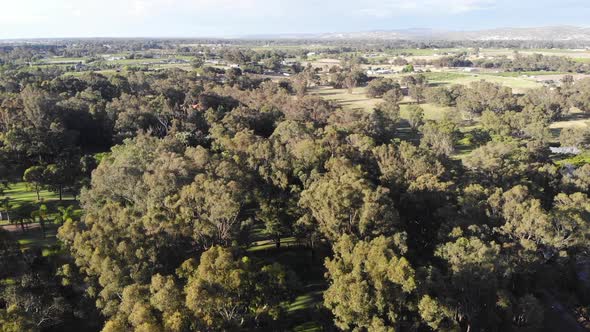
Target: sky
[236,18]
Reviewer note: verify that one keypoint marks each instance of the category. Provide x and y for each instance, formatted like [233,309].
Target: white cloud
[387,8]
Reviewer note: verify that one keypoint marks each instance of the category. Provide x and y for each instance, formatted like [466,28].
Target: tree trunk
[278,241]
[42,224]
[60,193]
[22,225]
[38,196]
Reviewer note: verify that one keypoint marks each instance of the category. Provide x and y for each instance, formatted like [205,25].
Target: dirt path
[17,227]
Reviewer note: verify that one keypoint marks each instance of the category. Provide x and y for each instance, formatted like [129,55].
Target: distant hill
[560,33]
[556,33]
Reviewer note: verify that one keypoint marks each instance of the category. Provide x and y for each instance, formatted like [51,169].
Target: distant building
[175,60]
[565,150]
[380,72]
[471,70]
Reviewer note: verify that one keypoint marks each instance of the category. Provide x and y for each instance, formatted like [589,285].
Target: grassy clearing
[527,73]
[426,51]
[21,193]
[58,59]
[575,119]
[359,100]
[269,244]
[576,161]
[306,301]
[431,111]
[21,196]
[444,77]
[518,84]
[141,61]
[355,100]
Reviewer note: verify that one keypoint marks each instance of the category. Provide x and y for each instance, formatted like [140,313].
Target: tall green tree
[35,177]
[371,284]
[343,201]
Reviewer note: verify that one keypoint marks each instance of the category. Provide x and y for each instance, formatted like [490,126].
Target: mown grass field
[426,51]
[575,119]
[516,82]
[527,73]
[58,59]
[355,100]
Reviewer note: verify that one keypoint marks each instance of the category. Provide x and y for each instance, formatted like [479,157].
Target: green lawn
[577,161]
[511,80]
[575,119]
[136,61]
[519,84]
[359,100]
[355,100]
[23,200]
[527,73]
[21,192]
[431,111]
[426,51]
[58,59]
[444,77]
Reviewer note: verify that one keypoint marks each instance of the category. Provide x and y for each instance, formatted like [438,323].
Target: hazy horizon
[29,19]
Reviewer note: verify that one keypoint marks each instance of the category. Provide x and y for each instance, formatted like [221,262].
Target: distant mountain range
[555,33]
